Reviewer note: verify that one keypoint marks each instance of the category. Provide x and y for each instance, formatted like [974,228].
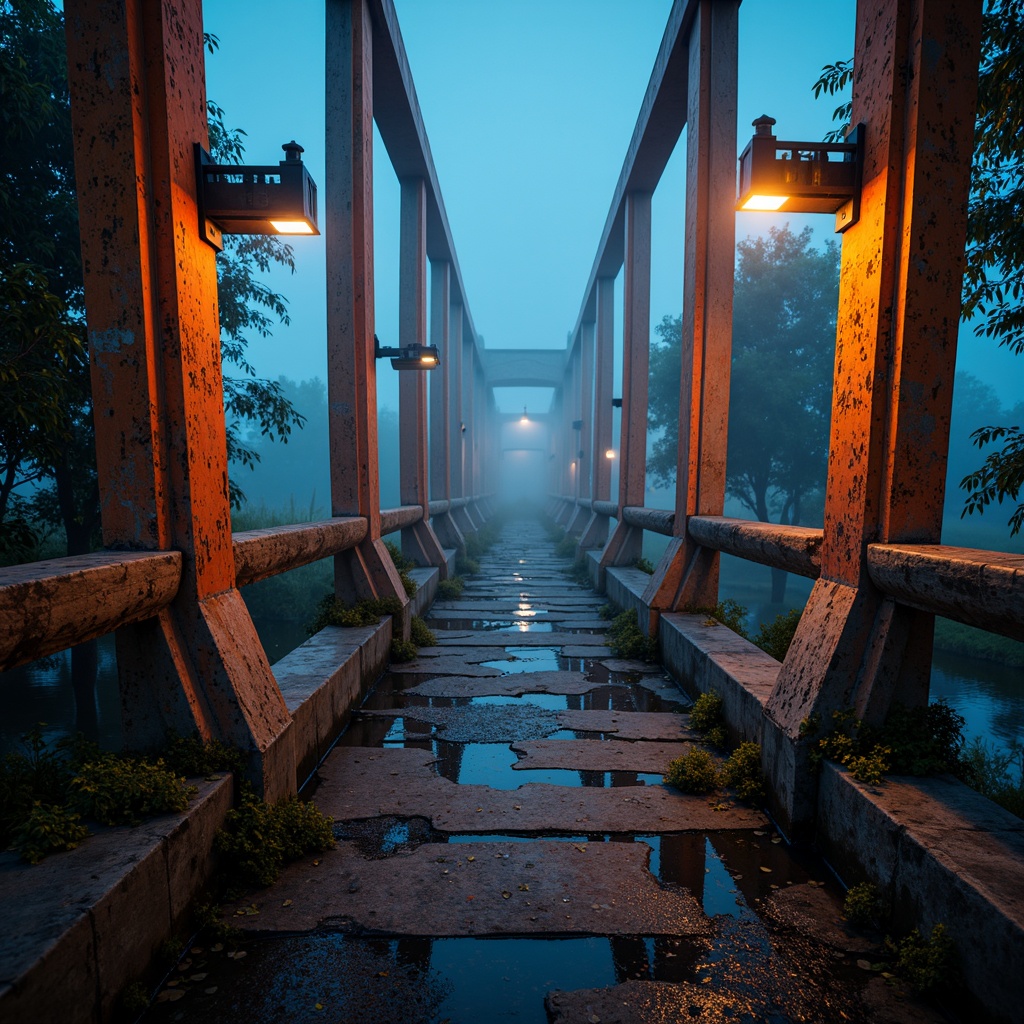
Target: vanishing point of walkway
[507,852]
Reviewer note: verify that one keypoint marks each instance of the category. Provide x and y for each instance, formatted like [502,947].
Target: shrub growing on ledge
[421,634]
[925,964]
[48,828]
[451,588]
[728,612]
[117,790]
[645,565]
[402,650]
[332,612]
[626,640]
[694,772]
[707,716]
[259,839]
[742,772]
[863,905]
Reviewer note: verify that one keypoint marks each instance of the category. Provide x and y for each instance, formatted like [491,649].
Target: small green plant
[849,744]
[606,611]
[421,634]
[694,772]
[134,998]
[368,612]
[117,790]
[259,839]
[775,637]
[728,612]
[707,711]
[403,565]
[566,547]
[451,588]
[644,565]
[48,828]
[626,640]
[924,964]
[403,650]
[923,740]
[863,905]
[192,756]
[742,772]
[579,574]
[466,565]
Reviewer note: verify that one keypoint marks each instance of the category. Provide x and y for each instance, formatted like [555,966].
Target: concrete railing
[49,606]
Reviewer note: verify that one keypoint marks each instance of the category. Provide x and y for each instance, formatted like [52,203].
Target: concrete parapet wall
[625,587]
[426,583]
[81,925]
[940,853]
[713,658]
[324,679]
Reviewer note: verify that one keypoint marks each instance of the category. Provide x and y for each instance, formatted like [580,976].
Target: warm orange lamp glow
[610,453]
[292,227]
[756,202]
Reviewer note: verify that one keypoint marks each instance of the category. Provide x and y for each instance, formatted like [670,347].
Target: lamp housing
[802,177]
[243,199]
[409,357]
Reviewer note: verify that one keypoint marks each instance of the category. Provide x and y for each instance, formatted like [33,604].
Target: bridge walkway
[507,851]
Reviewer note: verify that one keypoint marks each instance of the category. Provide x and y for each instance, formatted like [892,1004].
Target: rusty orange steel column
[365,571]
[899,303]
[626,543]
[418,540]
[687,574]
[595,534]
[138,97]
[440,403]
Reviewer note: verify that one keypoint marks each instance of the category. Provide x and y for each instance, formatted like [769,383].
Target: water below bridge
[507,851]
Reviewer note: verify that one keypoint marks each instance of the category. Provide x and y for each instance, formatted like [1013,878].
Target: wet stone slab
[598,755]
[450,665]
[478,888]
[447,638]
[366,782]
[505,686]
[507,723]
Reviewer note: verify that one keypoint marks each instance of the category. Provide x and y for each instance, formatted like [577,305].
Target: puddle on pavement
[528,659]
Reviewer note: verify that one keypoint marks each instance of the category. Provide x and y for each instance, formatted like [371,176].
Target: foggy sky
[529,106]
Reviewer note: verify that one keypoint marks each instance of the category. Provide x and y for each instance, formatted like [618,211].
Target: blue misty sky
[529,107]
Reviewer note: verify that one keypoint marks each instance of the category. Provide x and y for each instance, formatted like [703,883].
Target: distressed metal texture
[636,345]
[150,282]
[260,554]
[793,548]
[348,229]
[899,303]
[654,519]
[392,519]
[980,588]
[440,400]
[412,330]
[48,606]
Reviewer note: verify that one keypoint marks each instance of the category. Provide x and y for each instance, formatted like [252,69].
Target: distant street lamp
[524,419]
[610,453]
[235,199]
[800,177]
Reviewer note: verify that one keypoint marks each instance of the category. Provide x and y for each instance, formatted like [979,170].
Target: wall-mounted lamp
[802,177]
[524,418]
[235,199]
[409,357]
[609,453]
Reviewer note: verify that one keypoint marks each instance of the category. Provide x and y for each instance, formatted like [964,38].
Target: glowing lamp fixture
[802,177]
[248,200]
[610,453]
[524,418]
[409,357]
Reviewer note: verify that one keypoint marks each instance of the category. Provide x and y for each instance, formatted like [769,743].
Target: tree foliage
[993,291]
[784,320]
